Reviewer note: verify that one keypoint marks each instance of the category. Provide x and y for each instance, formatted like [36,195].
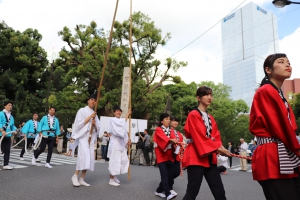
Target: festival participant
[275,163]
[177,160]
[200,154]
[85,118]
[7,128]
[48,129]
[117,149]
[30,131]
[164,138]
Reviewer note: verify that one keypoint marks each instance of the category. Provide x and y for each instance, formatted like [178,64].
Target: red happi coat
[180,140]
[162,142]
[196,153]
[268,118]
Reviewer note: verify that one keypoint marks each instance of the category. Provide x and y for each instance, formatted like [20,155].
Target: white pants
[118,163]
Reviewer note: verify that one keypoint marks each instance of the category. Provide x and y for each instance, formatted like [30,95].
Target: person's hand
[40,134]
[129,112]
[25,136]
[129,143]
[224,151]
[173,141]
[93,115]
[93,121]
[3,133]
[69,152]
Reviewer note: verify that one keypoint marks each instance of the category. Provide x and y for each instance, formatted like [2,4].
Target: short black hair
[52,107]
[162,117]
[35,113]
[7,102]
[203,91]
[173,118]
[146,130]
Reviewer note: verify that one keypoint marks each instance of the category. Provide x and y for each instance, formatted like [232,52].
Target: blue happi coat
[10,127]
[44,126]
[28,129]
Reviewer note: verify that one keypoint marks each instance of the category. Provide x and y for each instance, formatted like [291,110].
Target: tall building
[249,35]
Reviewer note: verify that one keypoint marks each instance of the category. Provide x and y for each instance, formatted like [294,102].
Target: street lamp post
[282,3]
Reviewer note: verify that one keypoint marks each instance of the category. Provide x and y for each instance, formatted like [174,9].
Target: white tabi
[117,149]
[81,132]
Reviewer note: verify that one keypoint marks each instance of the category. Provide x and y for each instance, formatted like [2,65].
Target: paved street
[37,182]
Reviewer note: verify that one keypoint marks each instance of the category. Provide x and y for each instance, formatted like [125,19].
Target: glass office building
[249,35]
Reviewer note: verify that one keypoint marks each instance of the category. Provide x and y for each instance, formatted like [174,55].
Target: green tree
[21,68]
[82,64]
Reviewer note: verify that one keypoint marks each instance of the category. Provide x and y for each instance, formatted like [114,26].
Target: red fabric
[268,118]
[196,153]
[180,140]
[162,142]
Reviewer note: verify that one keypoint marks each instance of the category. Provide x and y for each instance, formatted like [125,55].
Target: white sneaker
[75,180]
[33,160]
[21,158]
[171,196]
[173,192]
[162,195]
[37,160]
[82,182]
[7,167]
[48,165]
[113,183]
[116,180]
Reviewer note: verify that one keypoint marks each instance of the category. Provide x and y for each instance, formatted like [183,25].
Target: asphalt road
[38,182]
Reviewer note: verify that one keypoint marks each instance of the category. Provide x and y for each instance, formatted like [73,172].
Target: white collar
[7,112]
[51,116]
[165,127]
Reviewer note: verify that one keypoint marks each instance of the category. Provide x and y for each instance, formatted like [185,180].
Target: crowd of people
[275,149]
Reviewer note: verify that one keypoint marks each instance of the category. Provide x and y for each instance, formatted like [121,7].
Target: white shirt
[222,160]
[35,123]
[51,120]
[244,147]
[7,113]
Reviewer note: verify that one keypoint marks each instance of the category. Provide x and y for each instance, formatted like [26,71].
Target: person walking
[7,128]
[48,129]
[30,132]
[276,161]
[200,154]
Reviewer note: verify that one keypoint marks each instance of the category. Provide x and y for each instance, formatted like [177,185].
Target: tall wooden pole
[104,64]
[130,85]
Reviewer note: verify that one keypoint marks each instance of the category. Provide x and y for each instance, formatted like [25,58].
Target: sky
[185,20]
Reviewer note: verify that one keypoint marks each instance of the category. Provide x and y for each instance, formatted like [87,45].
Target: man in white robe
[85,117]
[117,149]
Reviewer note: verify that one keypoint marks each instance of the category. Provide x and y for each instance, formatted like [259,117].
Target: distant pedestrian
[243,152]
[104,141]
[230,148]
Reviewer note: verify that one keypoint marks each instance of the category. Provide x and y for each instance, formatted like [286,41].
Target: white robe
[117,149]
[80,132]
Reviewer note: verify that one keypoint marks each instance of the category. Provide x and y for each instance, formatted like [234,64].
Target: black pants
[176,172]
[230,161]
[278,189]
[50,141]
[222,168]
[146,154]
[166,175]
[29,142]
[5,148]
[213,178]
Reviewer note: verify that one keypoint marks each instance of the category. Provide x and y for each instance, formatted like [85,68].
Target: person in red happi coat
[275,164]
[165,138]
[200,155]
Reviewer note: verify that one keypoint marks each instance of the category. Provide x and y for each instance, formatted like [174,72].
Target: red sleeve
[196,130]
[268,118]
[161,139]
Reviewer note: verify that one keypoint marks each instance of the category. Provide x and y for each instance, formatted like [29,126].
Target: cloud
[290,46]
